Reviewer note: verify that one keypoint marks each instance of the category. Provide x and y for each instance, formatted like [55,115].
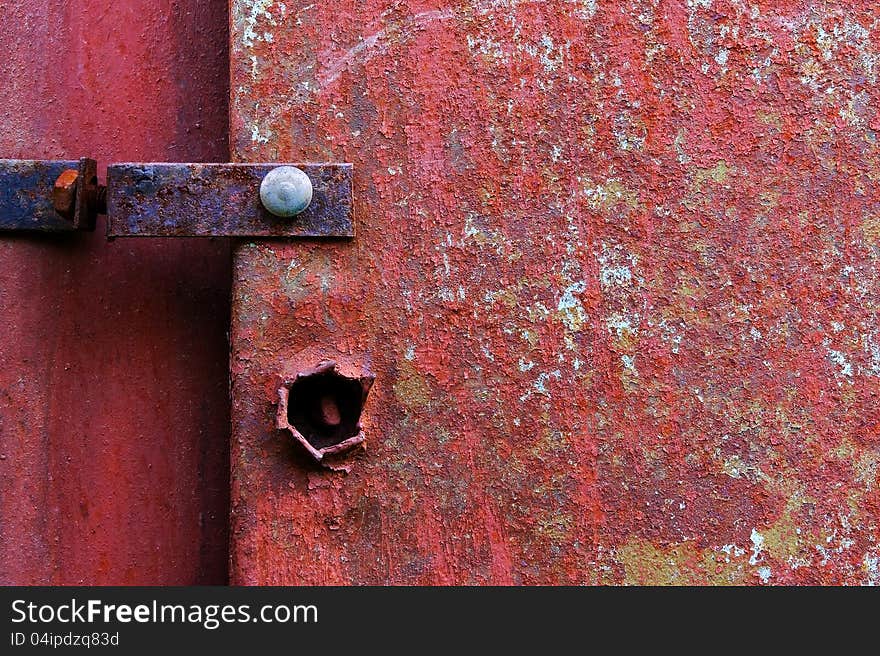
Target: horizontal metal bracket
[222,200]
[36,196]
[170,200]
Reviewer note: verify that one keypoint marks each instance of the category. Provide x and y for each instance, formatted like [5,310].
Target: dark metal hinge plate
[169,199]
[222,200]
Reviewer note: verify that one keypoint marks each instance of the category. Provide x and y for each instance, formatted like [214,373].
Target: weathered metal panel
[209,200]
[114,415]
[616,275]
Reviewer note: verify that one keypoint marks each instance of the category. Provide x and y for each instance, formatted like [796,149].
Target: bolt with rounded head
[286,191]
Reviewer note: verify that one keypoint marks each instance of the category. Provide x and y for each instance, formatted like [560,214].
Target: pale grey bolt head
[286,191]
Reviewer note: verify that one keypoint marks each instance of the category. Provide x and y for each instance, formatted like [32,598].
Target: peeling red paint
[616,272]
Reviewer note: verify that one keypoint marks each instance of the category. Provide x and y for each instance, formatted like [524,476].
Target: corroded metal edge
[86,204]
[221,200]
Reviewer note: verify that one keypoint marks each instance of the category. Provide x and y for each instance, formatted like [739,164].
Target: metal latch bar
[210,200]
[173,199]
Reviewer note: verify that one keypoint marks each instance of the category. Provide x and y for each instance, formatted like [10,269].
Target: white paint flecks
[620,325]
[257,136]
[569,309]
[871,563]
[258,9]
[840,360]
[872,349]
[540,384]
[615,266]
[732,550]
[757,546]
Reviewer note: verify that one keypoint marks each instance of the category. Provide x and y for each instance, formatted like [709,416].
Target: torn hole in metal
[321,408]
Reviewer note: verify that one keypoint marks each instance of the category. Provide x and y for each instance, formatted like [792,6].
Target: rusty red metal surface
[113,359]
[616,274]
[205,200]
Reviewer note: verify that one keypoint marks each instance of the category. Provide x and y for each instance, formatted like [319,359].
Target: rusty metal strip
[89,201]
[214,200]
[26,195]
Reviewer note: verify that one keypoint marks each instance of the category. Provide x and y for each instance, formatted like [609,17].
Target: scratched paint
[616,273]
